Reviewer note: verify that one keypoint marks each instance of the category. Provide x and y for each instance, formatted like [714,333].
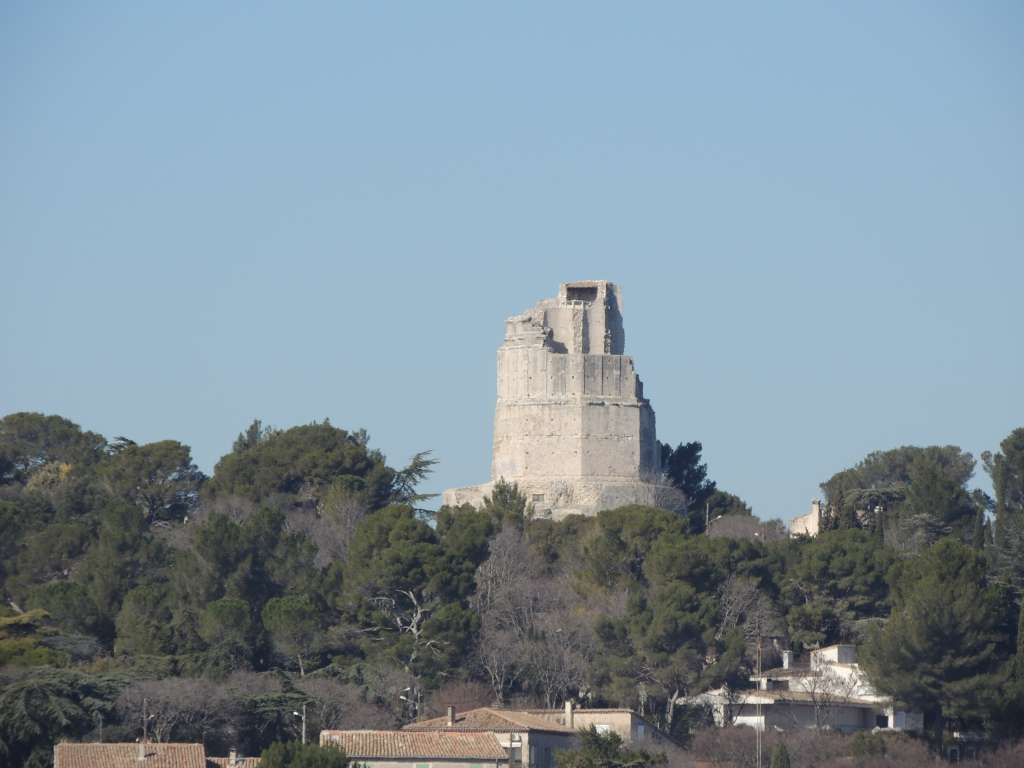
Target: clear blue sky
[215,212]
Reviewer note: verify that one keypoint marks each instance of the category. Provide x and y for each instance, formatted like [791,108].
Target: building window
[602,728]
[533,756]
[538,498]
[641,731]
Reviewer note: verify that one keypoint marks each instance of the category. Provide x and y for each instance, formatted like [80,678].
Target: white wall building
[830,692]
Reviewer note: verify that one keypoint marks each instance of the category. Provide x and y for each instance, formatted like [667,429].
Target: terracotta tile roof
[491,719]
[158,755]
[416,745]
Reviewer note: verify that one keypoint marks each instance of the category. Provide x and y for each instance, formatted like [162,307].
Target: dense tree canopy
[302,574]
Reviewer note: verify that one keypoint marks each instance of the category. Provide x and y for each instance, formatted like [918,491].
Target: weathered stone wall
[571,424]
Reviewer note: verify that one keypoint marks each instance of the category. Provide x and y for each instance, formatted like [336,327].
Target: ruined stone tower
[571,425]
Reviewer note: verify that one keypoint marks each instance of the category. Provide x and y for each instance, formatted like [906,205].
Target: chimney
[451,717]
[233,757]
[142,751]
[569,717]
[787,659]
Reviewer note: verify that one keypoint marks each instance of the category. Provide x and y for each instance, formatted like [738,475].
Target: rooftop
[491,719]
[126,755]
[418,745]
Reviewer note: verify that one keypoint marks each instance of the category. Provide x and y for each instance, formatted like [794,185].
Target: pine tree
[940,650]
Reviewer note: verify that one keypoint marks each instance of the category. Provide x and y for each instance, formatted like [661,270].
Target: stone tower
[572,427]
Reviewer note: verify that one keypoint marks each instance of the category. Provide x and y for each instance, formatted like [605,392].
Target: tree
[507,505]
[615,553]
[722,503]
[874,494]
[780,756]
[837,579]
[294,625]
[29,441]
[174,709]
[936,504]
[40,707]
[159,478]
[144,622]
[296,755]
[1006,468]
[597,750]
[303,461]
[940,650]
[69,605]
[686,472]
[226,626]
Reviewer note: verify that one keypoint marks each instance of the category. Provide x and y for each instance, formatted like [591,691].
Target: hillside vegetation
[137,589]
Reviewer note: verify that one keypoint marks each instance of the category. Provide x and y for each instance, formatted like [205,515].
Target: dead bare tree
[178,708]
[409,614]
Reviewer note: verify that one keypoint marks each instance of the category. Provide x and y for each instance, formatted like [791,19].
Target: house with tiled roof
[419,749]
[149,754]
[128,755]
[530,739]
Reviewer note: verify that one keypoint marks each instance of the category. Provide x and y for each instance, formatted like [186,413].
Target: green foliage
[295,755]
[722,503]
[69,605]
[404,585]
[29,441]
[144,622]
[598,750]
[507,505]
[940,650]
[226,627]
[685,471]
[42,706]
[614,555]
[883,482]
[780,756]
[293,622]
[1006,468]
[837,579]
[159,478]
[296,556]
[22,637]
[306,460]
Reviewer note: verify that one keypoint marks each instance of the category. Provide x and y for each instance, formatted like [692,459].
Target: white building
[830,691]
[809,524]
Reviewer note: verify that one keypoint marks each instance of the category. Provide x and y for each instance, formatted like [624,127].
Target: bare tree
[331,523]
[409,613]
[334,705]
[745,606]
[502,655]
[178,708]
